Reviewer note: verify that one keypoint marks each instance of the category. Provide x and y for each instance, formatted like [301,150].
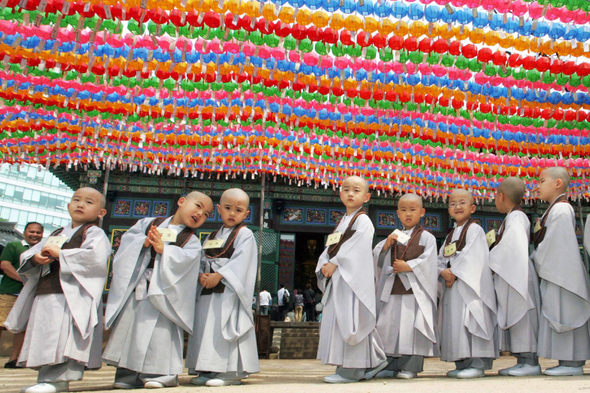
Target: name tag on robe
[450,250]
[537,226]
[168,234]
[491,237]
[401,237]
[333,238]
[213,243]
[56,241]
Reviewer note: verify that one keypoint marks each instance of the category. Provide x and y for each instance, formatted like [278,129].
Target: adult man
[283,300]
[309,303]
[11,284]
[265,301]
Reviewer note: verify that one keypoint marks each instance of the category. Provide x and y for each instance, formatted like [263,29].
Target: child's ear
[559,183]
[180,201]
[473,208]
[422,212]
[102,213]
[367,197]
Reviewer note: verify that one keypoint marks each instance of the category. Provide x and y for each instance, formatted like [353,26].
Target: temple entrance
[308,248]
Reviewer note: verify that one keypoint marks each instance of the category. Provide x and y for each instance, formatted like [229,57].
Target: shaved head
[461,192]
[236,194]
[410,198]
[513,188]
[203,197]
[357,180]
[101,199]
[558,172]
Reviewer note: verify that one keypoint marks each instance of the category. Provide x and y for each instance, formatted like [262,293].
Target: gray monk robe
[224,339]
[466,310]
[60,304]
[565,290]
[587,234]
[347,332]
[516,284]
[151,301]
[406,317]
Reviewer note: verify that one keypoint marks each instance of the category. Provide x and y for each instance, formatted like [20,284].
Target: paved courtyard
[305,376]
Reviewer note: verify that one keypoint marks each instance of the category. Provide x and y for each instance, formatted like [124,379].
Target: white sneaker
[453,373]
[371,373]
[559,371]
[153,385]
[506,371]
[406,374]
[335,378]
[386,374]
[469,373]
[215,382]
[47,387]
[525,370]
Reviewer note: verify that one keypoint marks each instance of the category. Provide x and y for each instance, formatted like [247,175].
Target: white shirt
[265,298]
[280,295]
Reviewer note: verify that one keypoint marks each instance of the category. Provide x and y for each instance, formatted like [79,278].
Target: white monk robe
[224,339]
[466,310]
[348,338]
[63,327]
[148,309]
[407,323]
[516,284]
[565,290]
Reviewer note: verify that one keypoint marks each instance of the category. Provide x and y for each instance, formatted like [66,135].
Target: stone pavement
[296,376]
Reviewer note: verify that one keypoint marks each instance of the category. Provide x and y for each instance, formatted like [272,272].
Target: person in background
[265,299]
[11,283]
[283,300]
[309,303]
[298,305]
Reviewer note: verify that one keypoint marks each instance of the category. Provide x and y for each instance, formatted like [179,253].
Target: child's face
[194,210]
[548,187]
[232,210]
[354,194]
[410,212]
[461,207]
[86,206]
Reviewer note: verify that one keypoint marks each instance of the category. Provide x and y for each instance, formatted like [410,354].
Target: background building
[30,193]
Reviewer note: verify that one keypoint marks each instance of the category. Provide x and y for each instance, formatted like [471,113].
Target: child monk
[152,295]
[467,306]
[345,273]
[515,281]
[60,305]
[564,285]
[406,292]
[222,348]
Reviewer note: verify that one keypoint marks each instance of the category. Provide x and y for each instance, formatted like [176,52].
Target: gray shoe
[560,371]
[125,385]
[469,373]
[336,378]
[453,373]
[386,374]
[201,380]
[506,371]
[406,374]
[526,370]
[371,373]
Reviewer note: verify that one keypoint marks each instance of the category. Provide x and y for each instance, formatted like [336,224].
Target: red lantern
[484,55]
[469,51]
[410,44]
[440,46]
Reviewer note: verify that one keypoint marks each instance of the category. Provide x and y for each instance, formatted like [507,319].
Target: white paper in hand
[168,234]
[402,238]
[56,241]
